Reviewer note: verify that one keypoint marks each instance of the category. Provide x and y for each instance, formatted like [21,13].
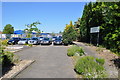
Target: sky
[53,16]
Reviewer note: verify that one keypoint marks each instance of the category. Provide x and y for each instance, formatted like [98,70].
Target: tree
[53,34]
[8,29]
[32,27]
[107,16]
[69,33]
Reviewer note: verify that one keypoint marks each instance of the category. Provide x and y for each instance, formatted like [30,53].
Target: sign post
[95,30]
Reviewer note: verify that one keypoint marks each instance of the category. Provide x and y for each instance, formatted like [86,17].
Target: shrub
[75,49]
[100,61]
[4,42]
[89,68]
[30,45]
[6,58]
[65,41]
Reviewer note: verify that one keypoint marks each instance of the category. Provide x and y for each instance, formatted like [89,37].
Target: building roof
[19,32]
[43,33]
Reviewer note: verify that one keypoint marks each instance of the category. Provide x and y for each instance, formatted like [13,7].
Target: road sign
[94,29]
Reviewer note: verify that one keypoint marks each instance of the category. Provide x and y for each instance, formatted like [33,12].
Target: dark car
[46,41]
[57,41]
[14,40]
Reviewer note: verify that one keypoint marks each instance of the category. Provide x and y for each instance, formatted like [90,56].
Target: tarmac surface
[50,62]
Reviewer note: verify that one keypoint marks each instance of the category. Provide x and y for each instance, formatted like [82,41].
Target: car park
[34,40]
[14,40]
[57,41]
[23,41]
[46,41]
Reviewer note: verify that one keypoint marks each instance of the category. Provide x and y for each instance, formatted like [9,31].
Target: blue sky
[52,15]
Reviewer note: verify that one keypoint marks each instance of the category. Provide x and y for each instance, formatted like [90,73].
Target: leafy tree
[107,16]
[8,29]
[32,27]
[69,33]
[53,34]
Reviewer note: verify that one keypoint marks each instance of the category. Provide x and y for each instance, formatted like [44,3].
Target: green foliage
[53,34]
[32,27]
[89,68]
[75,49]
[65,41]
[30,45]
[103,14]
[100,61]
[69,33]
[8,29]
[6,58]
[4,42]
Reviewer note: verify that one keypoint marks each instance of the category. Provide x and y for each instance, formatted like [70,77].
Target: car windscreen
[15,38]
[58,39]
[54,37]
[23,39]
[46,38]
[40,37]
[34,39]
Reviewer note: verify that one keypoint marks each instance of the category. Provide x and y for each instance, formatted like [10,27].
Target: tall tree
[69,33]
[107,16]
[8,29]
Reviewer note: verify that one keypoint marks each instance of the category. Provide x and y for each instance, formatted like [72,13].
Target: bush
[89,68]
[100,61]
[65,41]
[30,45]
[75,49]
[4,42]
[6,58]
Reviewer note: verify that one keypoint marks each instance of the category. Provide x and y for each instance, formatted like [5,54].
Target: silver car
[34,41]
[23,41]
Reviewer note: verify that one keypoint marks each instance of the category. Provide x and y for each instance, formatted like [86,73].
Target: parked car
[14,40]
[23,41]
[53,38]
[57,41]
[46,41]
[34,41]
[41,38]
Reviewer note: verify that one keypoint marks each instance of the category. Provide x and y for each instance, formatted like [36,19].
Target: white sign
[94,29]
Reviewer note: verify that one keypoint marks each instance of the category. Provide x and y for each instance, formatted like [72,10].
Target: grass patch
[30,45]
[75,50]
[100,61]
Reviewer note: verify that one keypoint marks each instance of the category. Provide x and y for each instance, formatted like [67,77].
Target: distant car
[46,41]
[53,38]
[57,41]
[41,38]
[14,40]
[34,41]
[23,41]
